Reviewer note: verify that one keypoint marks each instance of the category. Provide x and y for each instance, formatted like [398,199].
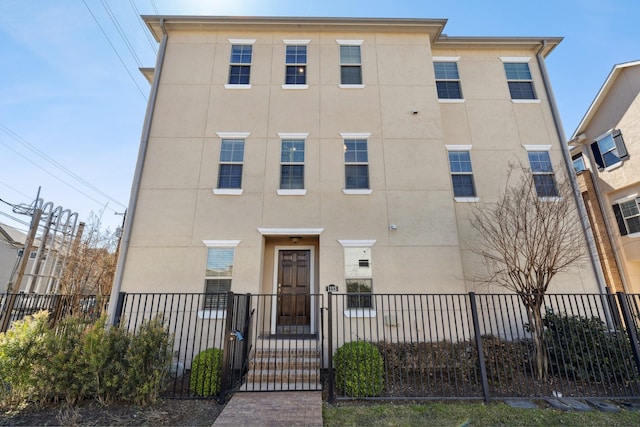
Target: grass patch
[472,414]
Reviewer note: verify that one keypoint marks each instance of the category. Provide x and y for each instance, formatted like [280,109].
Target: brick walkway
[272,409]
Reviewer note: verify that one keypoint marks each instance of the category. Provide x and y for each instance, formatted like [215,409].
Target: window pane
[232,150]
[578,164]
[629,209]
[517,71]
[357,177]
[296,75]
[219,262]
[545,185]
[296,55]
[463,186]
[521,90]
[633,224]
[363,288]
[230,176]
[540,162]
[356,151]
[460,161]
[350,75]
[449,90]
[239,74]
[216,294]
[446,70]
[241,54]
[292,177]
[350,55]
[292,151]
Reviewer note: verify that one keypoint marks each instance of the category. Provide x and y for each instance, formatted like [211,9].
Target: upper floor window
[578,163]
[609,150]
[519,80]
[627,215]
[356,159]
[447,80]
[231,161]
[461,172]
[543,175]
[358,277]
[350,63]
[296,65]
[240,62]
[292,164]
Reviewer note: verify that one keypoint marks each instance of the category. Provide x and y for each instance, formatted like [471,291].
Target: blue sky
[72,101]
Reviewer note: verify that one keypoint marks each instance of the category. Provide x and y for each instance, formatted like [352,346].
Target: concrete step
[297,386]
[284,363]
[289,353]
[283,376]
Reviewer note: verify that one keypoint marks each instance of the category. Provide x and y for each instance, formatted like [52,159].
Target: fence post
[5,321]
[330,376]
[631,328]
[226,349]
[476,330]
[119,308]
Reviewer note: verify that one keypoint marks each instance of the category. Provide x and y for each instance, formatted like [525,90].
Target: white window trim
[233,135]
[357,191]
[341,86]
[458,147]
[228,86]
[289,87]
[355,135]
[228,191]
[350,42]
[613,166]
[296,42]
[290,231]
[525,101]
[451,100]
[221,243]
[242,41]
[291,192]
[467,199]
[515,58]
[445,58]
[293,135]
[626,198]
[529,147]
[360,312]
[357,243]
[550,199]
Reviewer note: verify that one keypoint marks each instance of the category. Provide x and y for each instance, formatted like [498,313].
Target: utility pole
[26,251]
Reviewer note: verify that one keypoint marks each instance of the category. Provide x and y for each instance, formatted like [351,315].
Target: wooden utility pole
[26,251]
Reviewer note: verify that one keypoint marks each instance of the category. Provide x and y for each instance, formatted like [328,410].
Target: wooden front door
[294,287]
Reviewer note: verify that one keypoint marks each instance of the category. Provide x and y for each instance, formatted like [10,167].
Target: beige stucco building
[287,154]
[605,151]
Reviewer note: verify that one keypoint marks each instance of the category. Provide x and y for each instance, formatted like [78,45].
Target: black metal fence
[16,306]
[470,346]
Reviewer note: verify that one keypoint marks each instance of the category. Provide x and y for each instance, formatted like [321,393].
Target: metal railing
[469,346]
[17,306]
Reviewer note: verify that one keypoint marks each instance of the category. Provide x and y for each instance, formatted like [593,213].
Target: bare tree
[91,264]
[526,240]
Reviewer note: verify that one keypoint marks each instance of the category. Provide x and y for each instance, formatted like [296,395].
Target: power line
[123,36]
[15,189]
[150,39]
[64,169]
[115,50]
[53,175]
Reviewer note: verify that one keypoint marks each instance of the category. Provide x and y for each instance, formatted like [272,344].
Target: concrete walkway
[293,408]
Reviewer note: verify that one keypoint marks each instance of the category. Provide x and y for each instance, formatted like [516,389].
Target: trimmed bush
[359,369]
[585,349]
[206,373]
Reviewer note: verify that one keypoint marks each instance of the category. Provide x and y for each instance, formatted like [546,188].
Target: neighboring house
[606,157]
[11,244]
[281,155]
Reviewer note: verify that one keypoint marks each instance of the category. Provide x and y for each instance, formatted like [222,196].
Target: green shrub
[23,348]
[206,373]
[359,369]
[147,360]
[585,349]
